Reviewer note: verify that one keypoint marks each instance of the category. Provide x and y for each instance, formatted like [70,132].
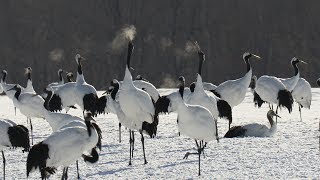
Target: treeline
[47,34]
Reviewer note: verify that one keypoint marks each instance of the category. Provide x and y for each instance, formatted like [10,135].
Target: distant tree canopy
[46,35]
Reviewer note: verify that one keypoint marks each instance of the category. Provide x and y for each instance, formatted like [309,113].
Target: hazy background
[46,34]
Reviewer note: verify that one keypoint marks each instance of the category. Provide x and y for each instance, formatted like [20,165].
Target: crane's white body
[135,103]
[259,130]
[30,105]
[234,91]
[66,92]
[302,93]
[68,144]
[268,87]
[4,140]
[209,86]
[290,83]
[195,121]
[201,98]
[61,120]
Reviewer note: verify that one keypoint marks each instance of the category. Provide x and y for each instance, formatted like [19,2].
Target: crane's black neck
[47,100]
[79,66]
[295,67]
[192,86]
[4,75]
[115,90]
[17,94]
[201,60]
[270,120]
[246,60]
[130,50]
[60,76]
[29,75]
[89,125]
[181,89]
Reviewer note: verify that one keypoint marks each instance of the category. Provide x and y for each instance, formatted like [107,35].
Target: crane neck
[17,94]
[130,50]
[295,67]
[201,60]
[79,67]
[270,120]
[4,75]
[246,60]
[115,91]
[60,77]
[47,100]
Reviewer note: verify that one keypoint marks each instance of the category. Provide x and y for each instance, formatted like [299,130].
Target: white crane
[86,94]
[302,94]
[254,129]
[12,135]
[290,83]
[65,146]
[59,121]
[60,82]
[217,107]
[234,91]
[271,90]
[195,121]
[29,104]
[135,103]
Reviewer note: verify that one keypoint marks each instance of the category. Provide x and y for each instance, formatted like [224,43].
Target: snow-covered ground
[293,152]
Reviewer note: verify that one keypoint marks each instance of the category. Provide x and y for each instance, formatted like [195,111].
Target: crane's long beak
[11,89]
[303,62]
[277,115]
[258,57]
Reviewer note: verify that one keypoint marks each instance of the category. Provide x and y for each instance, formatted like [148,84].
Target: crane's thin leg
[178,129]
[119,132]
[144,153]
[63,174]
[66,173]
[78,169]
[15,111]
[4,166]
[130,141]
[31,129]
[277,113]
[199,155]
[300,112]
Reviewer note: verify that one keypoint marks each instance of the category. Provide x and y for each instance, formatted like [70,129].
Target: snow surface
[293,152]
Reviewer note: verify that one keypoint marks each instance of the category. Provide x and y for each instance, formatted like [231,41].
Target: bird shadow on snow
[178,163]
[102,173]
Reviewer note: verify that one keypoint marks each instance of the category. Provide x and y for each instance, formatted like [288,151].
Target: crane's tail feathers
[162,104]
[99,135]
[90,102]
[235,131]
[37,158]
[19,137]
[224,110]
[55,103]
[93,158]
[151,128]
[101,104]
[257,99]
[285,99]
